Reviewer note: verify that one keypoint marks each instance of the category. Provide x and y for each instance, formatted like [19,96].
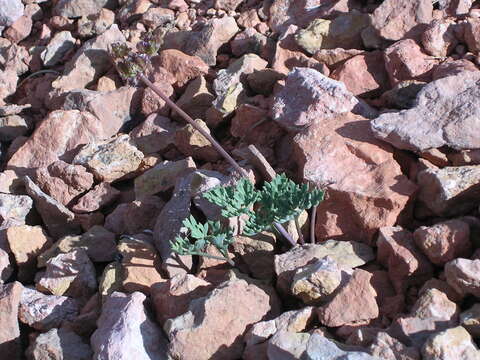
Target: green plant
[279,201]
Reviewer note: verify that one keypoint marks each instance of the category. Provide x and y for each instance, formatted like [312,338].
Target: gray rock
[14,209]
[452,344]
[61,43]
[462,275]
[10,11]
[446,113]
[78,8]
[125,330]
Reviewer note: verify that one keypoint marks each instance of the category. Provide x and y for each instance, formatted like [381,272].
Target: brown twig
[313,218]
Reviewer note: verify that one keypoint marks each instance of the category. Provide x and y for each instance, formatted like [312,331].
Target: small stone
[444,241]
[263,81]
[251,41]
[333,57]
[13,126]
[26,243]
[111,280]
[14,209]
[124,328]
[110,160]
[190,142]
[451,344]
[161,177]
[157,16]
[59,344]
[43,312]
[101,195]
[388,348]
[470,320]
[196,99]
[155,134]
[71,274]
[10,295]
[462,275]
[439,38]
[434,303]
[95,24]
[152,103]
[60,44]
[442,286]
[78,8]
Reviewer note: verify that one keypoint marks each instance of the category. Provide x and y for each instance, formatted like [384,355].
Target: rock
[196,99]
[226,104]
[449,191]
[6,269]
[404,60]
[406,264]
[439,38]
[455,7]
[56,217]
[9,331]
[433,303]
[190,142]
[14,209]
[341,32]
[393,20]
[100,196]
[452,68]
[63,181]
[75,8]
[263,81]
[157,17]
[152,103]
[251,41]
[90,62]
[132,10]
[161,177]
[444,241]
[124,328]
[141,265]
[59,344]
[172,298]
[113,108]
[155,134]
[347,254]
[462,275]
[206,316]
[450,344]
[169,224]
[13,126]
[95,24]
[227,5]
[340,310]
[317,97]
[71,274]
[111,280]
[59,46]
[403,95]
[432,123]
[470,320]
[441,285]
[111,159]
[134,217]
[315,282]
[20,29]
[382,193]
[11,11]
[388,348]
[26,243]
[363,75]
[471,27]
[99,243]
[55,137]
[43,312]
[182,66]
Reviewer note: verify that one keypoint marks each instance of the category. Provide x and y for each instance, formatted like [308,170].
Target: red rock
[341,310]
[462,275]
[361,176]
[63,181]
[101,195]
[406,264]
[182,66]
[173,297]
[363,75]
[152,103]
[389,303]
[55,137]
[444,241]
[404,60]
[439,38]
[9,331]
[249,19]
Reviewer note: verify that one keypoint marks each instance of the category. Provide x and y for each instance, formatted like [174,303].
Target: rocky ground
[378,102]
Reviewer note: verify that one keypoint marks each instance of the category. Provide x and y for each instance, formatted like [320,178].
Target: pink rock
[124,328]
[206,317]
[361,177]
[19,30]
[388,348]
[363,75]
[406,264]
[9,331]
[341,310]
[394,19]
[195,100]
[101,195]
[462,275]
[43,312]
[152,103]
[156,133]
[156,17]
[444,241]
[56,136]
[471,34]
[184,67]
[404,60]
[389,303]
[439,38]
[173,297]
[26,243]
[249,19]
[63,181]
[442,286]
[434,304]
[452,68]
[14,209]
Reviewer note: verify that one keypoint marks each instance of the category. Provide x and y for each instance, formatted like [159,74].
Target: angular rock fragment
[462,275]
[14,209]
[154,134]
[60,44]
[450,344]
[100,196]
[470,320]
[9,331]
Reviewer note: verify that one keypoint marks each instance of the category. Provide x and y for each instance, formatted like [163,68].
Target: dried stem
[313,218]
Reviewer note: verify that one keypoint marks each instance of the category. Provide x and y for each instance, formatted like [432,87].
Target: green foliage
[279,201]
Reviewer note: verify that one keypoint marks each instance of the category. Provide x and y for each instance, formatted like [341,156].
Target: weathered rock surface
[10,295]
[462,275]
[14,209]
[450,344]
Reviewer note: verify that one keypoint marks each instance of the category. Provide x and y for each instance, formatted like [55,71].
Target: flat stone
[60,44]
[111,159]
[100,196]
[124,328]
[462,275]
[44,312]
[14,209]
[449,344]
[432,122]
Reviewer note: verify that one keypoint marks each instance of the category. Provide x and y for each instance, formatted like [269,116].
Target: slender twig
[313,218]
[38,73]
[210,138]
